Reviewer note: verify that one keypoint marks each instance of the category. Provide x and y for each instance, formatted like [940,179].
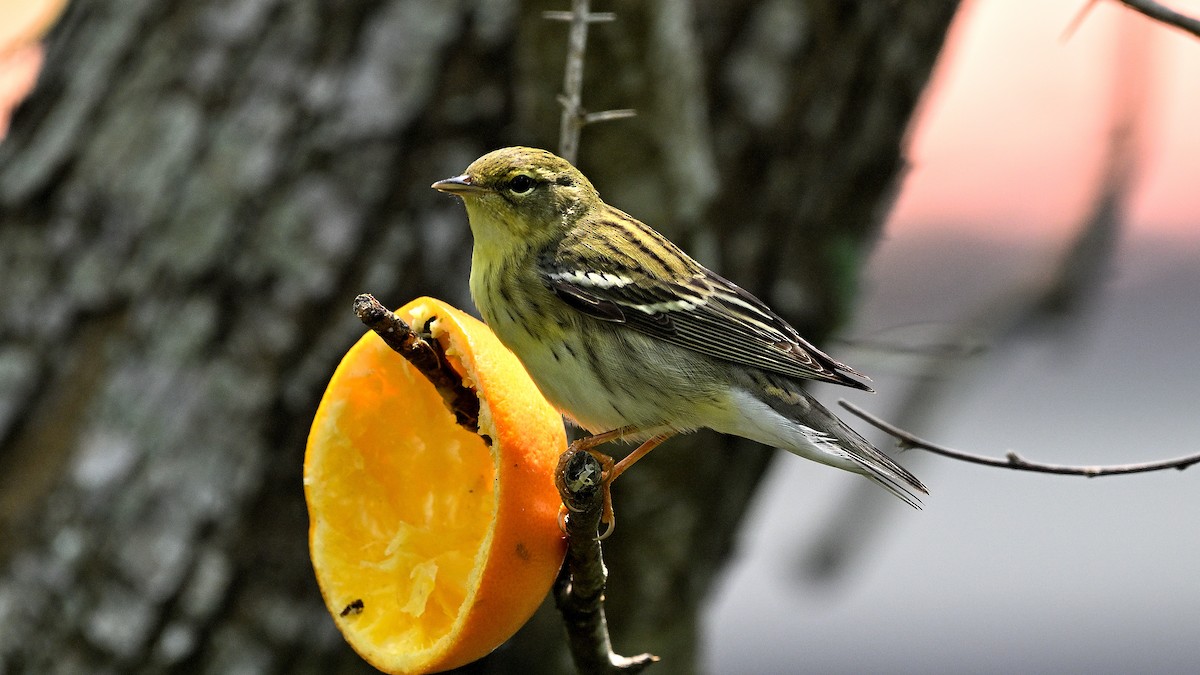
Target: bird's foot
[577,476]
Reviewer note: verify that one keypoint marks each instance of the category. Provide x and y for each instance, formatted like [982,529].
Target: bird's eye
[520,184]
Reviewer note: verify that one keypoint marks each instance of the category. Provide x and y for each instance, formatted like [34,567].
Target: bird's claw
[570,479]
[607,518]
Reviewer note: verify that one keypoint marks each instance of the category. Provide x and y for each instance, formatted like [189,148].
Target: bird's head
[521,196]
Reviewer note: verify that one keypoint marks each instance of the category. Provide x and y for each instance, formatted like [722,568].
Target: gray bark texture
[196,192]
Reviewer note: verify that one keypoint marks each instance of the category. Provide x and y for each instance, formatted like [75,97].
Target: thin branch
[1163,14]
[592,17]
[1014,461]
[608,115]
[572,98]
[579,589]
[1077,20]
[574,118]
[423,352]
[1148,8]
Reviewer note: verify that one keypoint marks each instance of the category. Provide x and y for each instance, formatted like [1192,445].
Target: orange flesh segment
[425,559]
[434,533]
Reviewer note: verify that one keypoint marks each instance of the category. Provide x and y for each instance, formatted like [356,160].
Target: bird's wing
[702,311]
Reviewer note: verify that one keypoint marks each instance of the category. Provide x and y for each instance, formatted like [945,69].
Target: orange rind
[431,544]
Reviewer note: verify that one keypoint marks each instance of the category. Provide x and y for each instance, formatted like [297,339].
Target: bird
[630,337]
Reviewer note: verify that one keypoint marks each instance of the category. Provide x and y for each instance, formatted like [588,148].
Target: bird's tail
[840,439]
[881,468]
[778,412]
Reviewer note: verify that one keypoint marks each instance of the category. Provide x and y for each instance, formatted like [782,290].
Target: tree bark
[196,192]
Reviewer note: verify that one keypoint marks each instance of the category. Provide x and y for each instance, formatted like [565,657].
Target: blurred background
[1004,571]
[990,208]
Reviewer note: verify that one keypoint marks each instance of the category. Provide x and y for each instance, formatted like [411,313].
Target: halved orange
[432,547]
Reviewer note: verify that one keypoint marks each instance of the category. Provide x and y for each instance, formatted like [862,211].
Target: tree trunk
[197,191]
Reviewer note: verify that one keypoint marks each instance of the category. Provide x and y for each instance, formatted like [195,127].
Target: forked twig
[1014,461]
[574,117]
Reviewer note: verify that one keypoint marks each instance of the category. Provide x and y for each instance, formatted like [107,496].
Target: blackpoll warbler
[629,336]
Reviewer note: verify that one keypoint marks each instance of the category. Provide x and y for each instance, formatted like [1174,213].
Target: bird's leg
[586,444]
[589,442]
[610,470]
[607,516]
[638,453]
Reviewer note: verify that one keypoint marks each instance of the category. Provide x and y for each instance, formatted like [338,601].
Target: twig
[1014,461]
[572,96]
[1163,14]
[573,115]
[1148,8]
[592,17]
[425,353]
[1077,20]
[579,588]
[608,115]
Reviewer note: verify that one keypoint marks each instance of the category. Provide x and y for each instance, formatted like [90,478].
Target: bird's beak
[459,185]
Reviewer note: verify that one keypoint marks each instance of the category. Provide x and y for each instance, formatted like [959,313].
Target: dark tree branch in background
[1163,14]
[1153,10]
[1014,461]
[573,115]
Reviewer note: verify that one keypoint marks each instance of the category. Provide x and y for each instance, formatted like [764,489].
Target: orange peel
[431,545]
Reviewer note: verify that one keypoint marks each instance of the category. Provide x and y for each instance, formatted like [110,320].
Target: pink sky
[1011,138]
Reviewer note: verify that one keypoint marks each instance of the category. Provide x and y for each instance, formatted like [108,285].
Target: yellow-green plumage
[620,328]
